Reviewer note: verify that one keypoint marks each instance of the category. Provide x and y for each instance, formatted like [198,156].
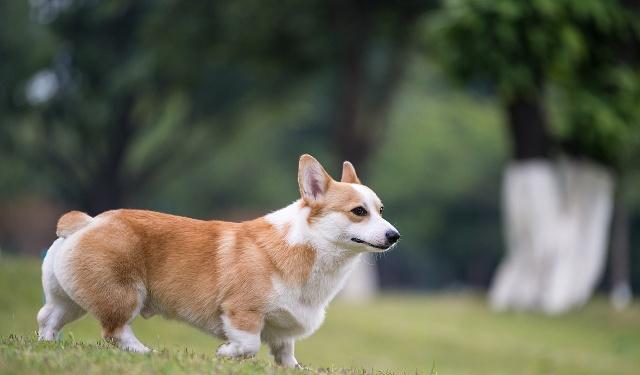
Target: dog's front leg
[242,330]
[282,352]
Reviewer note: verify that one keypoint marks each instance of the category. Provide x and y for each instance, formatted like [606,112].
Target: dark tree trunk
[362,100]
[619,240]
[528,128]
[355,25]
[107,189]
[619,243]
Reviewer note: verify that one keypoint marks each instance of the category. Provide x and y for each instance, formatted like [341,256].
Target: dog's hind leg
[102,275]
[116,308]
[59,309]
[54,315]
[124,338]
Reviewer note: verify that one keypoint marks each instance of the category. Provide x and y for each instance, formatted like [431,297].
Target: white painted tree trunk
[362,284]
[556,219]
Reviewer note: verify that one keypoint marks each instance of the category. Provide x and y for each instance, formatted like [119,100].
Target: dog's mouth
[357,240]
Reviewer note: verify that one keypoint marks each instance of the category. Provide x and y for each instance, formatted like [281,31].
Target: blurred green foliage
[586,50]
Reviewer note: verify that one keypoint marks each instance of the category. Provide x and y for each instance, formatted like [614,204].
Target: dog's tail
[72,222]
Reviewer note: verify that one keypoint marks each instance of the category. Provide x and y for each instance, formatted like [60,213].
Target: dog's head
[344,212]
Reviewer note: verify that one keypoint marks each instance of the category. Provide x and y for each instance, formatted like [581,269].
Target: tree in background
[558,189]
[602,89]
[372,42]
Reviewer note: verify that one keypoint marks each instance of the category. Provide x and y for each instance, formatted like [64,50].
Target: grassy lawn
[400,333]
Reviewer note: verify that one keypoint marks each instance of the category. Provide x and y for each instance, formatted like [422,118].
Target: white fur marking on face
[241,343]
[370,198]
[375,228]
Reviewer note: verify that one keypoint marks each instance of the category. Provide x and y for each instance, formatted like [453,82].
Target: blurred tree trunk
[620,294]
[106,187]
[364,95]
[528,128]
[556,218]
[363,101]
[351,142]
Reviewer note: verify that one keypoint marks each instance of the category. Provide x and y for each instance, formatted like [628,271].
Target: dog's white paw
[47,336]
[137,348]
[233,350]
[289,361]
[228,350]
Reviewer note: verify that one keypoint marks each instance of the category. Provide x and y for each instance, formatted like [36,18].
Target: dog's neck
[333,263]
[293,222]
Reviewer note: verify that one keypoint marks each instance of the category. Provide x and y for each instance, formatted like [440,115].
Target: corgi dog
[265,280]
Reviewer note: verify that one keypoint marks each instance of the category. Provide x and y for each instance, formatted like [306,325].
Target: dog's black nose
[392,236]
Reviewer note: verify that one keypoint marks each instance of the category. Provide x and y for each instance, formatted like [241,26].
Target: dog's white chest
[293,320]
[299,311]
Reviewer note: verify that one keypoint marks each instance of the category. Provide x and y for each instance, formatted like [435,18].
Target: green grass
[443,334]
[21,355]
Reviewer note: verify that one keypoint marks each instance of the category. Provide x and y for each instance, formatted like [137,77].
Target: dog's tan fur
[71,222]
[189,267]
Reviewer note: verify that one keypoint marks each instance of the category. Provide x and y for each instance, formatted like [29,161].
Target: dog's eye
[381,209]
[359,211]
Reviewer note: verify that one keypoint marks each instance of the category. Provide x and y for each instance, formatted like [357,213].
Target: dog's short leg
[59,309]
[242,330]
[282,352]
[124,338]
[116,316]
[55,315]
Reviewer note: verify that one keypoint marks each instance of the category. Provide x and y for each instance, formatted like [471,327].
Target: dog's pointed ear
[349,174]
[313,179]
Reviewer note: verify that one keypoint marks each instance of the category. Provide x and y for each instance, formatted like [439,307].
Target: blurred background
[503,136]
